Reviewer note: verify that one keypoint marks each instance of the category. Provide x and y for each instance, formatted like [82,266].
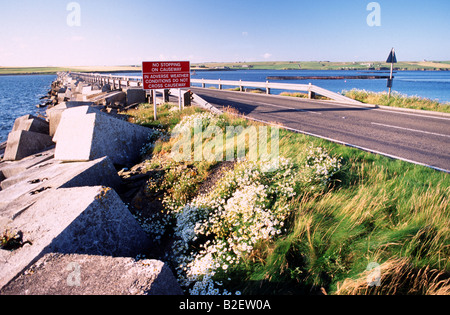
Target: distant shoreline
[213,70]
[236,66]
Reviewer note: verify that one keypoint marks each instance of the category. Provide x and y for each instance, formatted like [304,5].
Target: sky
[111,32]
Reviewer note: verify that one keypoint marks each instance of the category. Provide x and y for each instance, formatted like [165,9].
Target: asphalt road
[416,137]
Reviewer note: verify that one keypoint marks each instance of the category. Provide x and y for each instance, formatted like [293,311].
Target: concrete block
[2,150]
[61,97]
[57,274]
[115,96]
[106,88]
[31,123]
[85,135]
[86,89]
[84,220]
[54,113]
[186,99]
[21,189]
[10,169]
[23,143]
[135,95]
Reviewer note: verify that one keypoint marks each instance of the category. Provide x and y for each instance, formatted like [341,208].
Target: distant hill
[275,65]
[323,65]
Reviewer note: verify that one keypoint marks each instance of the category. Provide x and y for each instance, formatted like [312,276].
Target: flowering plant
[215,232]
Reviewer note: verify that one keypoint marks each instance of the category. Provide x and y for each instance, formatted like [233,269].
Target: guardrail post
[220,85]
[241,88]
[311,94]
[267,88]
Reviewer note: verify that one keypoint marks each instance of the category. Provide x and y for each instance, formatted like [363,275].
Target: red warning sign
[166,75]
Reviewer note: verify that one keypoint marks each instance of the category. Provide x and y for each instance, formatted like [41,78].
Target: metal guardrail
[312,90]
[135,81]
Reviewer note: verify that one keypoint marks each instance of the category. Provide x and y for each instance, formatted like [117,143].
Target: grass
[323,65]
[54,70]
[275,65]
[397,100]
[375,210]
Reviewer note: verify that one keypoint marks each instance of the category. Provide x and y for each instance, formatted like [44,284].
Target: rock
[82,220]
[85,135]
[57,274]
[23,143]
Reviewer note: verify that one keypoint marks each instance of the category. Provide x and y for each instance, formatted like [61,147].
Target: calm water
[19,95]
[433,85]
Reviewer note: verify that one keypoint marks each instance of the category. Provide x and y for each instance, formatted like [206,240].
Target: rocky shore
[64,228]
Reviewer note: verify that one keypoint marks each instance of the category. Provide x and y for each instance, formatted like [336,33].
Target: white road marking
[273,105]
[349,144]
[413,130]
[411,114]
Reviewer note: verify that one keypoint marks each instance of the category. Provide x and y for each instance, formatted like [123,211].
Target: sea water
[20,94]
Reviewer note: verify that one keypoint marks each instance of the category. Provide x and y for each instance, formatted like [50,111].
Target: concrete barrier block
[106,88]
[83,220]
[57,274]
[24,189]
[86,90]
[84,135]
[135,95]
[115,96]
[13,168]
[54,114]
[31,123]
[23,143]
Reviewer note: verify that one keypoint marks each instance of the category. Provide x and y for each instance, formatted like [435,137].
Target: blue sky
[111,32]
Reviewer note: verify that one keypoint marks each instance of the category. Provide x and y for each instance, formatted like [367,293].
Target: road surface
[421,138]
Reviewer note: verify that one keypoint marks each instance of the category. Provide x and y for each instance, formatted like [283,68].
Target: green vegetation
[277,65]
[12,240]
[397,100]
[313,226]
[323,65]
[54,70]
[37,70]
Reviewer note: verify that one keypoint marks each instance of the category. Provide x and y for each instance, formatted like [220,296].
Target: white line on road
[350,145]
[273,105]
[294,109]
[413,130]
[411,114]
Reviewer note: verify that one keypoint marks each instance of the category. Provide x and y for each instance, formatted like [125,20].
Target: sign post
[392,58]
[158,75]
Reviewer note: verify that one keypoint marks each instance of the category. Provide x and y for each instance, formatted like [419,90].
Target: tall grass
[397,100]
[375,210]
[380,211]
